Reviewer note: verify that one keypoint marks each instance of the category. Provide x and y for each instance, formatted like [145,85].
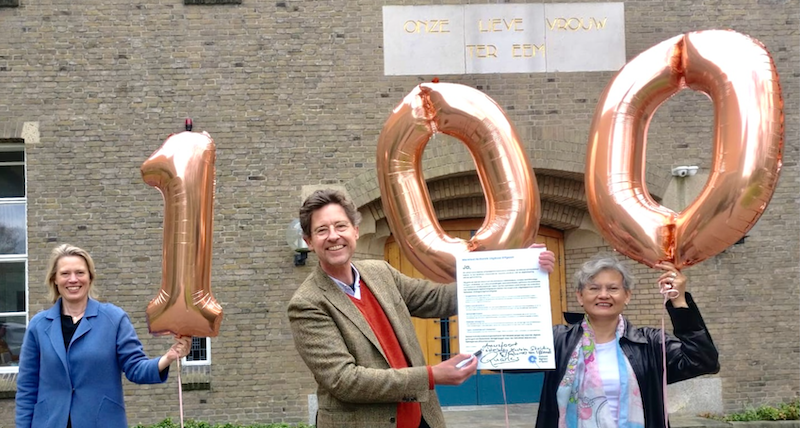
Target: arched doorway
[439,338]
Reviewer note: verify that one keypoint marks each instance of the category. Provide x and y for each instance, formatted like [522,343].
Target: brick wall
[293,92]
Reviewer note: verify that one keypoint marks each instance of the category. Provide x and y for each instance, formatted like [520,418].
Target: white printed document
[504,309]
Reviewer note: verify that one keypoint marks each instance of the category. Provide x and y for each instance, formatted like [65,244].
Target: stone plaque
[585,36]
[507,39]
[423,38]
[503,38]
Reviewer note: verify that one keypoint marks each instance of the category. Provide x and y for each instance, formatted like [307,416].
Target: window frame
[8,146]
[207,361]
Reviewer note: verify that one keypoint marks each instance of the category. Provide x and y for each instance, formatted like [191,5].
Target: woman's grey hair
[598,264]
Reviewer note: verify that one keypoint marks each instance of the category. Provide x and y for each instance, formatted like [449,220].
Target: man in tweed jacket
[351,323]
[357,386]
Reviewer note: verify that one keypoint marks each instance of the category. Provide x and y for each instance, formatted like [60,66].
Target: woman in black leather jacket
[608,372]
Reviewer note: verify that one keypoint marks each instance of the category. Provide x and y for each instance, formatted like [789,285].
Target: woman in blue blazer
[74,353]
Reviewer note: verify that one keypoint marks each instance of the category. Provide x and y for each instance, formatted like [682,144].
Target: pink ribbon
[669,293]
[180,391]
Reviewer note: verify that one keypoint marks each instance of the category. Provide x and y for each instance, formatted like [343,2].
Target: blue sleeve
[134,362]
[27,379]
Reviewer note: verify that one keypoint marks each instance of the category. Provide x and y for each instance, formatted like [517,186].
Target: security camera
[684,171]
[680,171]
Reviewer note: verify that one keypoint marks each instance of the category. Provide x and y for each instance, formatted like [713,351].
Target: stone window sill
[205,2]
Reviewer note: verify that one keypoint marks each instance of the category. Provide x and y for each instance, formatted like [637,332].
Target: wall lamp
[294,237]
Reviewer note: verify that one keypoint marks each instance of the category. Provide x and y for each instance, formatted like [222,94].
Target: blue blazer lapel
[55,333]
[342,302]
[86,323]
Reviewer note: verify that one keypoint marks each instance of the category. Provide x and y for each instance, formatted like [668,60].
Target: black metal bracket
[300,258]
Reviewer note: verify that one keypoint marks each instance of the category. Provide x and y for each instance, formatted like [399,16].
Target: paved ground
[524,416]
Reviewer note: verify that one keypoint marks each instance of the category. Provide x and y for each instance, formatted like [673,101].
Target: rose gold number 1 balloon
[739,76]
[183,170]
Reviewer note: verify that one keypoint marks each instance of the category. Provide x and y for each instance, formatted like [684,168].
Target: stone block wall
[294,95]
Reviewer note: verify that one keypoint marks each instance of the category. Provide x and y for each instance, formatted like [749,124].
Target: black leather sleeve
[691,352]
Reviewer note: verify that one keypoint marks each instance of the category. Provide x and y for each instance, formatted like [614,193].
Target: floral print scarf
[582,402]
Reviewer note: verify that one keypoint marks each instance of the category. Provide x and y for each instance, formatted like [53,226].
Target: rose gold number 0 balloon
[739,76]
[183,170]
[512,196]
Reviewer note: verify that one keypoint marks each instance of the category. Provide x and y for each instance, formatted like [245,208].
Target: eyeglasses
[324,231]
[613,290]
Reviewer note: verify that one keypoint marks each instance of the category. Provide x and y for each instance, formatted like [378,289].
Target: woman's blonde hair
[66,250]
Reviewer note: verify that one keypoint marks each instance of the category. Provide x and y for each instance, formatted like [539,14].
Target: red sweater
[409,415]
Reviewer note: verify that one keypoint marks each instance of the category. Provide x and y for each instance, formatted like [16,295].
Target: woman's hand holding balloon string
[179,349]
[673,284]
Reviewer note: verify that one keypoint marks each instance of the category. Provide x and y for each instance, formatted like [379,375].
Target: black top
[68,329]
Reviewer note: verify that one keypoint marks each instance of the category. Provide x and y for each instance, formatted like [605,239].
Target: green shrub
[168,423]
[783,412]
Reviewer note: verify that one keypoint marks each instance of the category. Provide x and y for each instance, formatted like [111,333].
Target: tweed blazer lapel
[379,279]
[342,302]
[381,282]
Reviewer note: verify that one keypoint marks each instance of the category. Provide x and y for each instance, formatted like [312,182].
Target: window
[13,253]
[200,355]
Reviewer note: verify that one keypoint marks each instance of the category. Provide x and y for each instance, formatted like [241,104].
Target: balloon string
[668,294]
[503,387]
[180,391]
